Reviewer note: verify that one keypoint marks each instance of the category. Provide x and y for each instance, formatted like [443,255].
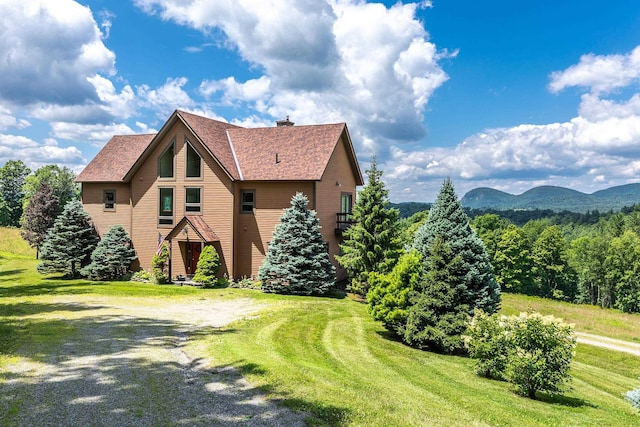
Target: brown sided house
[203,182]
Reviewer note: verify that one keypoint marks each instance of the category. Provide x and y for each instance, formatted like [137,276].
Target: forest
[591,257]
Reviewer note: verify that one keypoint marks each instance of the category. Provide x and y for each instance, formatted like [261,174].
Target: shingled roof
[291,153]
[115,159]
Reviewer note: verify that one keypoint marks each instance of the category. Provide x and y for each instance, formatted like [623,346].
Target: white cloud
[166,98]
[95,133]
[323,61]
[47,52]
[8,120]
[599,73]
[35,154]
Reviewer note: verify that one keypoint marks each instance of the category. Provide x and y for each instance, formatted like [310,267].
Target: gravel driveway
[127,366]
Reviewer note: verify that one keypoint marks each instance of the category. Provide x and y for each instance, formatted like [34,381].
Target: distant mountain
[554,198]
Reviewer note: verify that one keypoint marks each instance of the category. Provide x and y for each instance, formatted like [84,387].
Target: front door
[193,255]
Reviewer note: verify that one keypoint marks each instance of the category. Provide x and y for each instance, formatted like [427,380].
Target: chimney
[285,122]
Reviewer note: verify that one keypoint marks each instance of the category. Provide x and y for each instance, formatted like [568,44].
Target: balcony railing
[344,220]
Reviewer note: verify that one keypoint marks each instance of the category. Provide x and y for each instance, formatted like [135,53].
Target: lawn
[327,357]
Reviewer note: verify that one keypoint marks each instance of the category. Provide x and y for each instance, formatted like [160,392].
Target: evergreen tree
[438,314]
[12,177]
[69,243]
[373,242]
[297,261]
[112,257]
[448,221]
[208,266]
[39,215]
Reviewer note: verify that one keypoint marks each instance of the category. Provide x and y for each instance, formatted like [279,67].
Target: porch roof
[198,225]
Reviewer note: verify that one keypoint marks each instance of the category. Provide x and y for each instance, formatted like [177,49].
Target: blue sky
[503,94]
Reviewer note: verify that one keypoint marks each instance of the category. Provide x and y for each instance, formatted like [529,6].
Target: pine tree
[112,257]
[39,215]
[372,243]
[447,220]
[208,266]
[438,315]
[297,261]
[69,242]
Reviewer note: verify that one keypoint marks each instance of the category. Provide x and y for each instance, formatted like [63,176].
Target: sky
[497,93]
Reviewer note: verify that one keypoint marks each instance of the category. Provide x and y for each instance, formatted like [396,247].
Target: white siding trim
[235,159]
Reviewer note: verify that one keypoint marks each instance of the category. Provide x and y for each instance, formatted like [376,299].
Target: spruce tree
[438,314]
[448,221]
[372,243]
[112,257]
[69,242]
[297,261]
[39,215]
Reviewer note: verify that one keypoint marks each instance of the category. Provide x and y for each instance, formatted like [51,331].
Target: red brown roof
[197,224]
[291,153]
[115,159]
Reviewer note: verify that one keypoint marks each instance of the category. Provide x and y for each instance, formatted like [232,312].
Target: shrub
[159,265]
[487,340]
[245,283]
[539,350]
[633,396]
[142,276]
[207,268]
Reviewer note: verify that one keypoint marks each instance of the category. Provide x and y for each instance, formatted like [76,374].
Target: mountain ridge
[554,198]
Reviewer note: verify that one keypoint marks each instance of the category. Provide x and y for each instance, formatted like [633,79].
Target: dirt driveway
[127,365]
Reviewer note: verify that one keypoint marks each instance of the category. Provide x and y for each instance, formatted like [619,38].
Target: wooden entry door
[193,255]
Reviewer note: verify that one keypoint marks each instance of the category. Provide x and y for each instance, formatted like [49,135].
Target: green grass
[327,357]
[12,245]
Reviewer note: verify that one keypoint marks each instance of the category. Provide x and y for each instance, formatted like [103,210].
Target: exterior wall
[254,230]
[216,199]
[338,178]
[93,203]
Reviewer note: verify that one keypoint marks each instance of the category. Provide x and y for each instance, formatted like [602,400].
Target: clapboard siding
[93,203]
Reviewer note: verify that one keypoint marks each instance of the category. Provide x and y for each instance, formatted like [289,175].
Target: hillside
[554,198]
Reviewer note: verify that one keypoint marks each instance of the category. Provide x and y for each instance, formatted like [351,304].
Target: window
[109,198]
[194,162]
[165,211]
[165,162]
[247,201]
[346,202]
[192,200]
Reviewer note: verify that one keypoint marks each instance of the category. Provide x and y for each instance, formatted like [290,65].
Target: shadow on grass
[559,399]
[121,370]
[318,413]
[46,286]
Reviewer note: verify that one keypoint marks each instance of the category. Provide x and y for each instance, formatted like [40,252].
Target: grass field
[327,357]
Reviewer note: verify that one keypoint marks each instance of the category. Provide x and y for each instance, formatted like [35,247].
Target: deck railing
[344,220]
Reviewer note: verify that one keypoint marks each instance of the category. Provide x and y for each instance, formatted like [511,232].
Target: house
[202,182]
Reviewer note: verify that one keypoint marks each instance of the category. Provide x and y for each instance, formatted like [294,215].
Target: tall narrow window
[194,162]
[247,201]
[165,209]
[346,202]
[192,202]
[165,162]
[109,197]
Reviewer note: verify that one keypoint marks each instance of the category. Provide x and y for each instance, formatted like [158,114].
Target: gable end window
[165,208]
[247,201]
[193,162]
[193,200]
[109,200]
[165,161]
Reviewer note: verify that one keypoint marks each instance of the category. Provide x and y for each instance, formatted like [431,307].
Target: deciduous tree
[39,215]
[12,178]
